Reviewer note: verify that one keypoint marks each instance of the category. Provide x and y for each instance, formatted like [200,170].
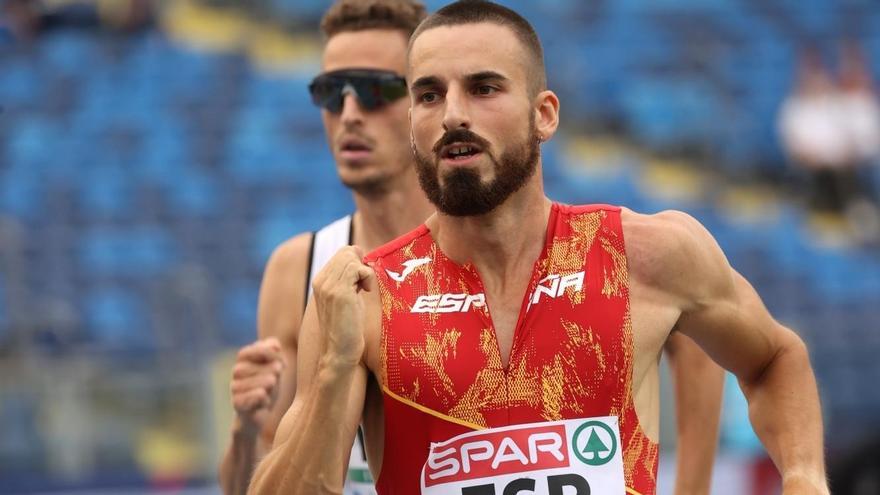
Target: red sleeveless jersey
[572,355]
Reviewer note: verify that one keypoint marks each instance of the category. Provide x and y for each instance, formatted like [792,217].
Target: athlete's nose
[456,111]
[352,112]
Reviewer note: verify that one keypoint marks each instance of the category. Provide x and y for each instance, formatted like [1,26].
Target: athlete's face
[371,147]
[473,120]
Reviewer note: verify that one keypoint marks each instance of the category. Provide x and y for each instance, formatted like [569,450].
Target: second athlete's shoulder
[291,254]
[295,253]
[282,291]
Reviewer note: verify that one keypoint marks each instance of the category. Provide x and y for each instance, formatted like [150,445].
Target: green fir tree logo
[594,446]
[595,451]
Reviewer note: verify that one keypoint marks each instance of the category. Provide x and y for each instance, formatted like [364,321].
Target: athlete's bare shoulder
[673,252]
[291,253]
[283,290]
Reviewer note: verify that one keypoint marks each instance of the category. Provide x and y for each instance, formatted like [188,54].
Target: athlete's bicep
[728,319]
[718,308]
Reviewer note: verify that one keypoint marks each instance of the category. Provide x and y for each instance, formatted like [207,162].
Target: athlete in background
[374,34]
[364,109]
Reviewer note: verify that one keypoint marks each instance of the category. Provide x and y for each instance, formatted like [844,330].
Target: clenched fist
[340,306]
[255,379]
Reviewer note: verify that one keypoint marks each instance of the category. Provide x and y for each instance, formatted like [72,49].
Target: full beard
[463,193]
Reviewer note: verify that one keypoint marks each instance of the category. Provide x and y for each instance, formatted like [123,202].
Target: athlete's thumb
[366,278]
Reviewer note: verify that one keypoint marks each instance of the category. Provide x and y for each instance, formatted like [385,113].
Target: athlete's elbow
[278,473]
[266,475]
[794,351]
[789,357]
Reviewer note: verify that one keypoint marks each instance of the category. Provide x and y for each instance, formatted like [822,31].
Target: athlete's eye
[428,97]
[485,90]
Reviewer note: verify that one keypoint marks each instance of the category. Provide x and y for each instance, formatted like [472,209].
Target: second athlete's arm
[698,382]
[314,439]
[279,314]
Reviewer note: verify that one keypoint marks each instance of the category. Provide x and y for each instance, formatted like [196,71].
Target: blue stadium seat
[20,83]
[165,149]
[307,210]
[67,52]
[240,314]
[193,193]
[129,252]
[21,193]
[107,192]
[30,142]
[664,112]
[117,319]
[305,10]
[4,313]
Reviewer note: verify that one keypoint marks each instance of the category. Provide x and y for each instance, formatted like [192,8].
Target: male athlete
[699,385]
[362,94]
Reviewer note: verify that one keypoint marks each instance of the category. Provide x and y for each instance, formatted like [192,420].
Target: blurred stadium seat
[117,320]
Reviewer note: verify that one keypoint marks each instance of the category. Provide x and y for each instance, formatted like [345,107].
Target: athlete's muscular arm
[313,441]
[722,312]
[699,384]
[264,375]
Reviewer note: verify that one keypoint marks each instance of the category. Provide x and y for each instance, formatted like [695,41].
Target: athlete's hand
[340,306]
[255,379]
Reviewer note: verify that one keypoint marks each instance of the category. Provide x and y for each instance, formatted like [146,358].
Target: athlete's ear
[546,114]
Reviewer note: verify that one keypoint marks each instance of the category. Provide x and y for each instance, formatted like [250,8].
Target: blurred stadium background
[153,153]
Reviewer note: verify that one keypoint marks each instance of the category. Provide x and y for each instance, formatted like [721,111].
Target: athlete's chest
[542,352]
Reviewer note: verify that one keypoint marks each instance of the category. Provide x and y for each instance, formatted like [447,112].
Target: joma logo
[555,285]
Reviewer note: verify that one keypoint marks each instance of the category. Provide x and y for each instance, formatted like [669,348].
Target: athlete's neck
[504,242]
[382,218]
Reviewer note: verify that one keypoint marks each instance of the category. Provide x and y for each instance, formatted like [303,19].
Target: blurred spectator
[813,137]
[24,20]
[860,118]
[831,129]
[859,105]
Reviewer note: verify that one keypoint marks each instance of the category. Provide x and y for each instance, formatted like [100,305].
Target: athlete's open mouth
[459,151]
[354,144]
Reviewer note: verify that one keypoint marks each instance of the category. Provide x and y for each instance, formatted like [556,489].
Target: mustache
[460,135]
[354,132]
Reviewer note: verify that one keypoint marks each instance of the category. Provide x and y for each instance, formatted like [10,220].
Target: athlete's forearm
[699,384]
[239,461]
[307,458]
[785,413]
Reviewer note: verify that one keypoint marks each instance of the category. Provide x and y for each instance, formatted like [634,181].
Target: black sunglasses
[373,88]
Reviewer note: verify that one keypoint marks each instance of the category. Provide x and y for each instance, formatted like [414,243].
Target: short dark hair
[478,11]
[359,15]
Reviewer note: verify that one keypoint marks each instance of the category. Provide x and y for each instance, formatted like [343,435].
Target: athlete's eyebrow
[485,76]
[425,82]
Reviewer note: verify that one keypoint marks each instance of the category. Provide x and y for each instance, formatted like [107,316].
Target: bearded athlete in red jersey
[510,344]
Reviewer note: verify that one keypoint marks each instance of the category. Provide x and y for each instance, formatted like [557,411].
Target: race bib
[571,457]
